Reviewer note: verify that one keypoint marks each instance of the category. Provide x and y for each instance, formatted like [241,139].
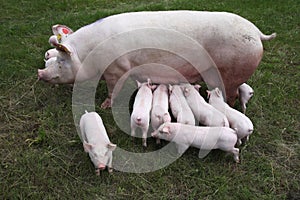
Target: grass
[41,154]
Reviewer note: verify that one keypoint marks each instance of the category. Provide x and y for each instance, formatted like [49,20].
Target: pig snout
[101,166]
[41,74]
[45,75]
[139,121]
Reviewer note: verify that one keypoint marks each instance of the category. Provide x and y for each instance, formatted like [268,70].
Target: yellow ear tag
[59,37]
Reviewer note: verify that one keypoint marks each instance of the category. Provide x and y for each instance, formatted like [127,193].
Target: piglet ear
[166,117]
[149,81]
[197,87]
[186,90]
[138,84]
[87,147]
[218,92]
[153,87]
[208,93]
[111,146]
[170,89]
[166,129]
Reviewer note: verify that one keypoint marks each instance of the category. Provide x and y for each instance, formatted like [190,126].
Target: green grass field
[42,156]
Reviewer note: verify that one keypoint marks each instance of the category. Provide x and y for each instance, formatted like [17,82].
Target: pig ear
[53,41]
[61,29]
[138,83]
[87,147]
[158,117]
[166,129]
[170,88]
[218,92]
[197,87]
[153,87]
[208,93]
[149,82]
[64,48]
[166,117]
[186,90]
[111,146]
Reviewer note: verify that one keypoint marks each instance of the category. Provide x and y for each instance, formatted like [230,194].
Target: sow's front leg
[115,76]
[231,98]
[106,103]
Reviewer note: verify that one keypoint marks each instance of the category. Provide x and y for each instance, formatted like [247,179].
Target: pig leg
[157,141]
[106,103]
[203,153]
[239,142]
[244,108]
[109,165]
[236,152]
[181,148]
[133,128]
[245,139]
[97,171]
[112,76]
[145,131]
[231,96]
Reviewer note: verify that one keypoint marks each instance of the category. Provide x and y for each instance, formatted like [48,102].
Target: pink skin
[101,166]
[233,43]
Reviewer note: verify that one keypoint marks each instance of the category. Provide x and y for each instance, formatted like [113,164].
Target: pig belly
[160,66]
[205,141]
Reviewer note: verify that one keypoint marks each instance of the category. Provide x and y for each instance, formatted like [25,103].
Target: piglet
[160,107]
[96,142]
[140,116]
[204,138]
[237,120]
[205,113]
[245,92]
[179,107]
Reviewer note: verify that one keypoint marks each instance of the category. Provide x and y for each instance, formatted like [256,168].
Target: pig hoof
[158,142]
[144,147]
[239,142]
[97,172]
[106,104]
[110,170]
[144,143]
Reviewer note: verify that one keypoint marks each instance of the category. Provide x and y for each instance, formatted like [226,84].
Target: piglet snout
[101,166]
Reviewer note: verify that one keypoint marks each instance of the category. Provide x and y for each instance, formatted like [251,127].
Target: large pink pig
[230,49]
